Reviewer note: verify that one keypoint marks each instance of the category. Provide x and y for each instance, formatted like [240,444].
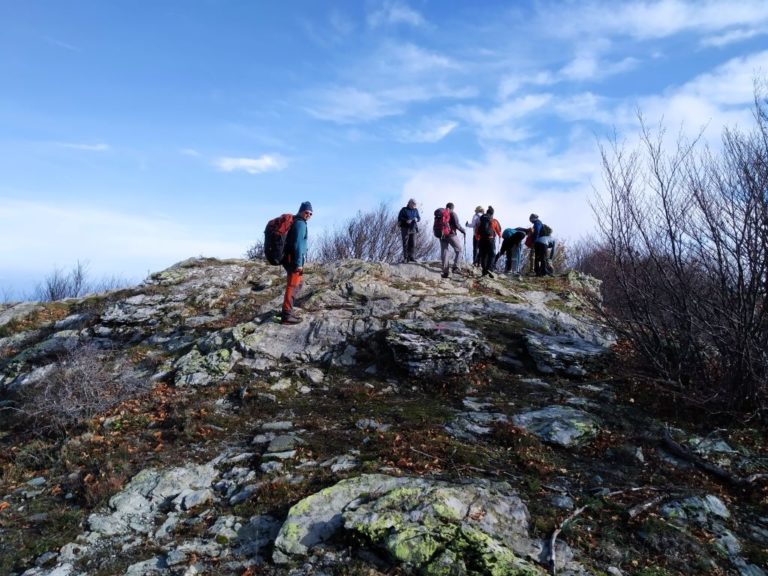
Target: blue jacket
[296,245]
[408,214]
[537,226]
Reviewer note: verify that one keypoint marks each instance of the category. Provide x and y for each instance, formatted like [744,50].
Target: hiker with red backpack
[446,224]
[293,261]
[407,219]
[488,228]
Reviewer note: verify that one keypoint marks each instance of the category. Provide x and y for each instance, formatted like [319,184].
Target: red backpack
[442,225]
[274,238]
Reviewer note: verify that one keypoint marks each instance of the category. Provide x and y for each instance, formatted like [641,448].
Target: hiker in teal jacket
[293,261]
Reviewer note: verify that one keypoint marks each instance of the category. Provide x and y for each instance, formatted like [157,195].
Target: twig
[643,506]
[553,540]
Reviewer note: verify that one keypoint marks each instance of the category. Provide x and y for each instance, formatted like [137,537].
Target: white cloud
[504,122]
[408,58]
[731,37]
[265,163]
[429,133]
[99,147]
[392,12]
[348,105]
[555,186]
[189,152]
[510,84]
[656,19]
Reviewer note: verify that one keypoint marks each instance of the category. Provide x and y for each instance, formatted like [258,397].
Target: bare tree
[374,236]
[684,245]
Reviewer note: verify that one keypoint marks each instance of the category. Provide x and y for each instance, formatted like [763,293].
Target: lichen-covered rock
[429,526]
[561,425]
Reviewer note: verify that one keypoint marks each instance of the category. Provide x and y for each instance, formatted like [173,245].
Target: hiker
[449,239]
[479,211]
[542,242]
[293,261]
[512,248]
[407,219]
[488,228]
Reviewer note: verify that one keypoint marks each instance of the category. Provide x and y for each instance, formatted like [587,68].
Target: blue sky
[137,133]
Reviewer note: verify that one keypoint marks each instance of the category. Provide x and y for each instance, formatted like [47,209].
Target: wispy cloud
[428,134]
[392,12]
[265,163]
[98,147]
[731,37]
[189,152]
[645,19]
[589,66]
[505,121]
[60,44]
[348,105]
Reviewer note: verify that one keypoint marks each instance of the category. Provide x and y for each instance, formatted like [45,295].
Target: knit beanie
[305,206]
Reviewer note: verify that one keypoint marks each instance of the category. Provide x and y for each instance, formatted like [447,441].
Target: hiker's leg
[292,289]
[444,254]
[475,251]
[456,243]
[404,237]
[411,244]
[517,255]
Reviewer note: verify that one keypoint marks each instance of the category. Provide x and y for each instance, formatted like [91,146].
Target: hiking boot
[290,319]
[455,269]
[490,274]
[444,275]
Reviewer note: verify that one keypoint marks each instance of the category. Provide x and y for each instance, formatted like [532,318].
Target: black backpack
[274,238]
[484,227]
[545,230]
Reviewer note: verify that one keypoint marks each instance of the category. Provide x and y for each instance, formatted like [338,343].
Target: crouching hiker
[512,248]
[293,261]
[407,219]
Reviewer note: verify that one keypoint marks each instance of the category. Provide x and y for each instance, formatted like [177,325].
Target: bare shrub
[374,236]
[74,284]
[684,242]
[86,382]
[255,251]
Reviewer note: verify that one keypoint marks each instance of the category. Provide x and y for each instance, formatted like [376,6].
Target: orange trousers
[292,288]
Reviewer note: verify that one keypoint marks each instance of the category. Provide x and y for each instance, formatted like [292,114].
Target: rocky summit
[409,424]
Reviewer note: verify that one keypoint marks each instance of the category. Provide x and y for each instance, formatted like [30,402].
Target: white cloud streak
[430,133]
[99,147]
[265,163]
[392,12]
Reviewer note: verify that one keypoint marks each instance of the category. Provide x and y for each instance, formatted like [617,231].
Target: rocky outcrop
[408,425]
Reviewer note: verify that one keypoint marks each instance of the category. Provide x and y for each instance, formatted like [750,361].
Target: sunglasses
[307,212]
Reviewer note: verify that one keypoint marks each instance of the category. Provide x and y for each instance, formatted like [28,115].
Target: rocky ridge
[410,425]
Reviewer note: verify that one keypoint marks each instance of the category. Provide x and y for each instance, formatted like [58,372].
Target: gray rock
[568,354]
[427,348]
[561,425]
